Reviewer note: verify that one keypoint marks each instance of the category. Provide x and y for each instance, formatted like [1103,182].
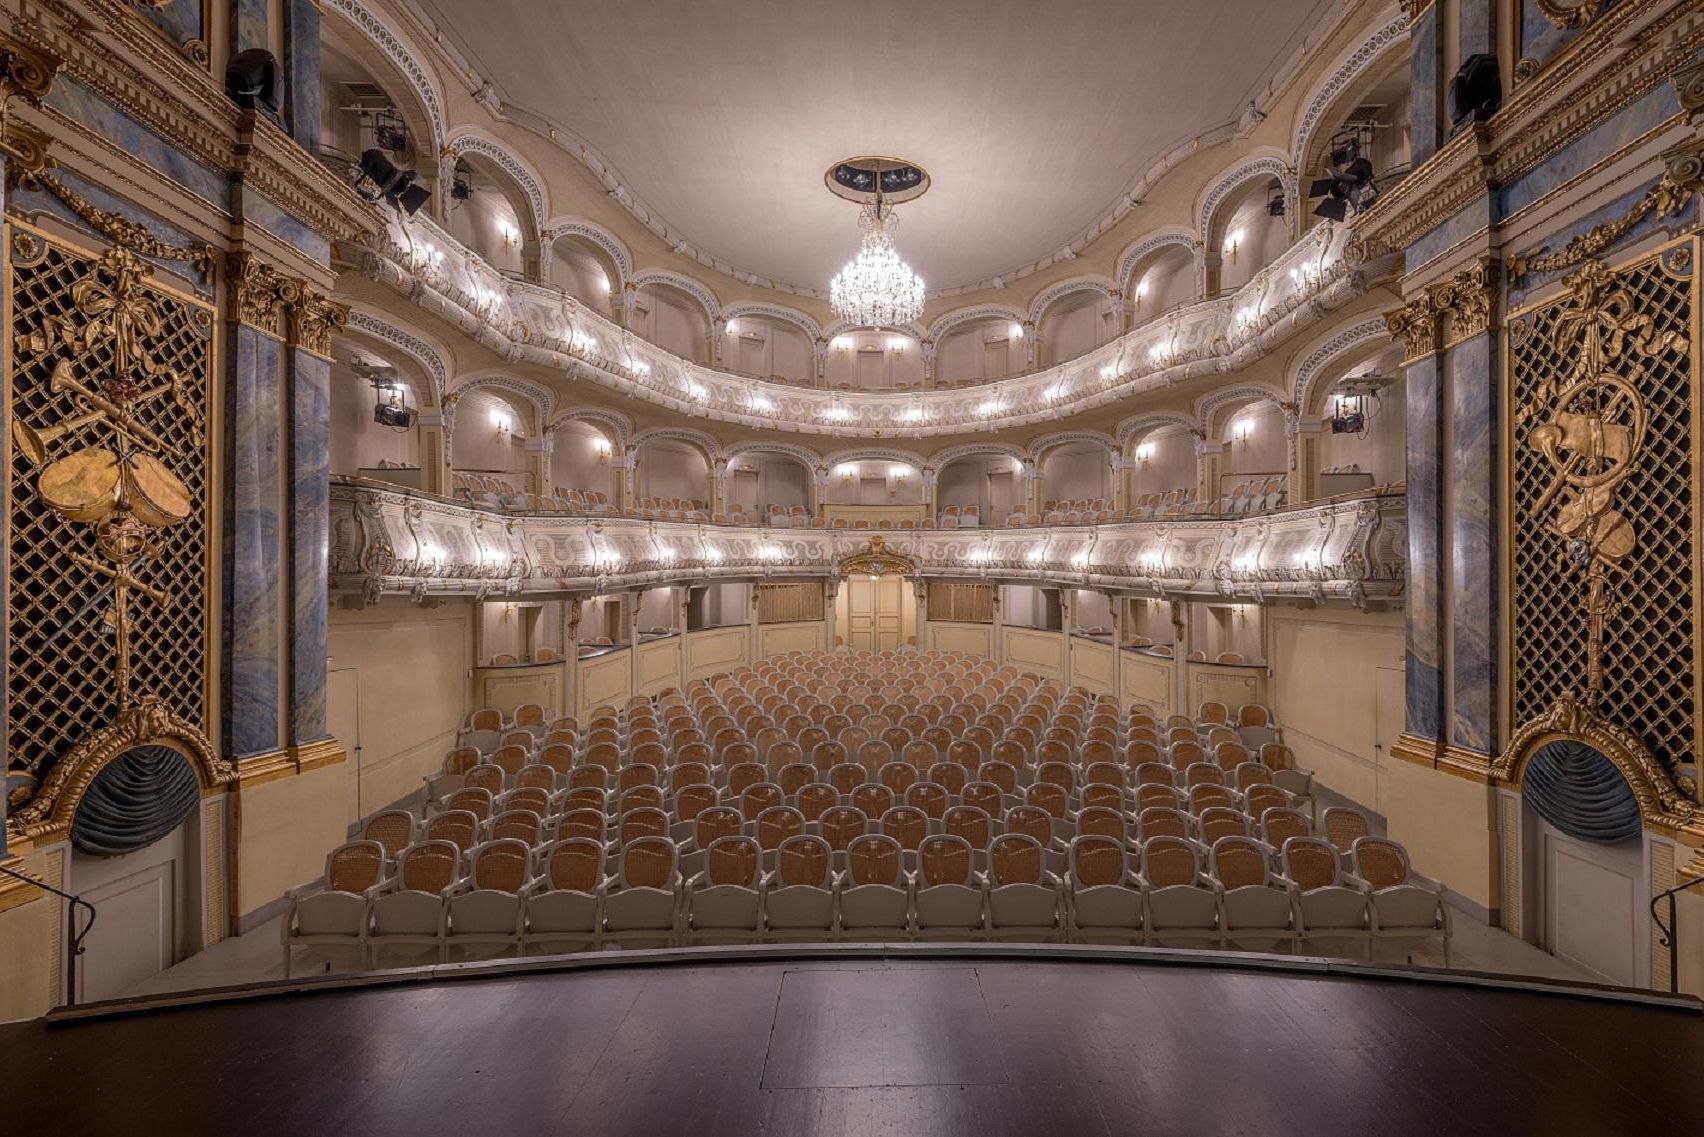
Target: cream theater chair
[1333,916]
[1023,896]
[334,920]
[1256,911]
[1103,899]
[874,891]
[723,903]
[486,910]
[950,900]
[643,908]
[563,909]
[1408,909]
[412,915]
[1180,907]
[799,895]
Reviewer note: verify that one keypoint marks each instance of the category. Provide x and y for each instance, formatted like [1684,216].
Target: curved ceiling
[1032,118]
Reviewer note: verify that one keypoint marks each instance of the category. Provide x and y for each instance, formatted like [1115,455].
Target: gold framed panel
[1652,644]
[71,680]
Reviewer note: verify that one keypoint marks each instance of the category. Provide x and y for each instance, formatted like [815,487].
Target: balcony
[534,323]
[388,541]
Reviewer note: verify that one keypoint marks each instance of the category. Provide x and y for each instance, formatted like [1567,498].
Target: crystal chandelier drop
[876,289]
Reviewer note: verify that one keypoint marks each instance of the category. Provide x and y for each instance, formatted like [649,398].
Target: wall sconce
[1017,331]
[500,420]
[899,473]
[846,472]
[733,327]
[1145,452]
[603,283]
[896,345]
[508,611]
[1141,293]
[602,448]
[510,236]
[1233,242]
[842,344]
[1240,429]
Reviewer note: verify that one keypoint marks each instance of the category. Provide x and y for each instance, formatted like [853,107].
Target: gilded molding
[25,72]
[147,722]
[260,294]
[1467,299]
[1683,177]
[1576,15]
[1417,325]
[314,319]
[875,560]
[277,765]
[1417,751]
[1661,802]
[120,229]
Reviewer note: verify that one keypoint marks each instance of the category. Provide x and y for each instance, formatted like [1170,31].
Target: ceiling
[1033,118]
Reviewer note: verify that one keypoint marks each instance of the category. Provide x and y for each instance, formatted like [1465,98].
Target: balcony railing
[539,324]
[392,541]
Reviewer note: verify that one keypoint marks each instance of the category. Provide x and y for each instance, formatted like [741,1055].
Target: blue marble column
[1426,602]
[248,24]
[254,383]
[1475,581]
[302,72]
[1425,104]
[309,506]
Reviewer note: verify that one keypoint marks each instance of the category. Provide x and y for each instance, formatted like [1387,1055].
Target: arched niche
[360,446]
[494,220]
[872,359]
[1245,234]
[582,457]
[1248,444]
[990,480]
[673,319]
[1163,280]
[1375,455]
[670,467]
[583,269]
[1379,102]
[1159,459]
[874,481]
[361,91]
[765,347]
[1073,324]
[1080,469]
[492,425]
[981,350]
[759,478]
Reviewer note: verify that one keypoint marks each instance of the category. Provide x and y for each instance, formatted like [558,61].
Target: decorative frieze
[1416,324]
[1466,300]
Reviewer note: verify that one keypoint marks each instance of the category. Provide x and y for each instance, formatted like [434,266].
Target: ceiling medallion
[876,288]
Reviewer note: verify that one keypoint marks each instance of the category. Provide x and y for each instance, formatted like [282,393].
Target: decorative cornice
[276,765]
[1575,15]
[1683,177]
[25,72]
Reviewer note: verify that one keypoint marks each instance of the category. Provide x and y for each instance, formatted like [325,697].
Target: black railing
[75,936]
[1671,930]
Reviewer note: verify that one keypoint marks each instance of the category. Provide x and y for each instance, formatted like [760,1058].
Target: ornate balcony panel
[541,325]
[389,541]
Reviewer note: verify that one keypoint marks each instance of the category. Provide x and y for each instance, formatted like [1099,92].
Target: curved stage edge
[864,1039]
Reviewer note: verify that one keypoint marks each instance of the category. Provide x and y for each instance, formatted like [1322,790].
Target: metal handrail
[76,937]
[1670,932]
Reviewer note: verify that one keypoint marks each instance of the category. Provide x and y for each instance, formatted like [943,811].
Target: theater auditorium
[651,567]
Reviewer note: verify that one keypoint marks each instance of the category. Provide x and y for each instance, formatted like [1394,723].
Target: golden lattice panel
[61,680]
[1649,635]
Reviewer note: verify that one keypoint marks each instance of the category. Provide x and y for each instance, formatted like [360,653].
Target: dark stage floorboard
[909,1048]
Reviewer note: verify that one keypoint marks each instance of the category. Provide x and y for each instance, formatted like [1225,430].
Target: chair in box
[486,911]
[875,891]
[413,914]
[563,909]
[1023,896]
[798,895]
[1408,909]
[950,895]
[335,919]
[1332,910]
[643,908]
[1256,911]
[1103,899]
[1180,907]
[723,901]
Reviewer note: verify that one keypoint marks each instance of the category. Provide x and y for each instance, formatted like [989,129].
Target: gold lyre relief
[1594,427]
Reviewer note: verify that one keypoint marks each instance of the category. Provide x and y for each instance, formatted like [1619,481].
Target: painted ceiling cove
[1032,117]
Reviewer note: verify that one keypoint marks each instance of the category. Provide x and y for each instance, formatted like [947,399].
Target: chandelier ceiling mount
[876,288]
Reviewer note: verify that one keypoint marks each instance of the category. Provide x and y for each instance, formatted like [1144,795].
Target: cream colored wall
[1076,470]
[481,221]
[979,350]
[1265,450]
[1170,465]
[673,469]
[30,969]
[1380,452]
[869,359]
[1079,323]
[575,462]
[576,271]
[1165,282]
[942,635]
[356,440]
[478,444]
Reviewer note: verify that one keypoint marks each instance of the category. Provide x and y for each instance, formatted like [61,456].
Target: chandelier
[876,289]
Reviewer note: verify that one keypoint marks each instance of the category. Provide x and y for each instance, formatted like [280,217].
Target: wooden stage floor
[991,1047]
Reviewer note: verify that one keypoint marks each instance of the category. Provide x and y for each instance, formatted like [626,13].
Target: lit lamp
[1145,452]
[601,447]
[1233,242]
[500,420]
[1240,430]
[846,471]
[510,236]
[1017,331]
[1141,292]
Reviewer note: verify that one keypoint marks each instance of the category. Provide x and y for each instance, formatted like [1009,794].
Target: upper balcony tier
[392,541]
[540,325]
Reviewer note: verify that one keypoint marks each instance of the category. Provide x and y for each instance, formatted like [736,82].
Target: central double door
[876,614]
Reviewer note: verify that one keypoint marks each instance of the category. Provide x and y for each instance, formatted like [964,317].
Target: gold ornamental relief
[1590,422]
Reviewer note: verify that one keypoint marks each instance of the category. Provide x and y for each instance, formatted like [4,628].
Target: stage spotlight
[254,81]
[1476,91]
[394,185]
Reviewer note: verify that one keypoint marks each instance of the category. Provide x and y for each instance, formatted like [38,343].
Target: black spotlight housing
[1275,202]
[394,416]
[394,185]
[254,81]
[1476,91]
